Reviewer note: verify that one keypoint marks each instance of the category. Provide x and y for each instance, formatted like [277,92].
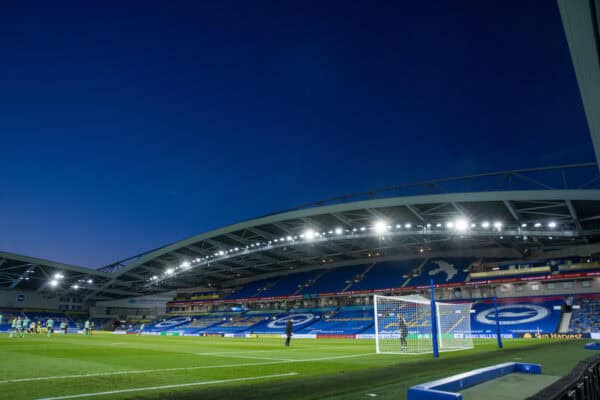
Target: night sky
[125,126]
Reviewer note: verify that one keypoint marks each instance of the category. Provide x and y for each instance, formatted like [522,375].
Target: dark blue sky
[127,126]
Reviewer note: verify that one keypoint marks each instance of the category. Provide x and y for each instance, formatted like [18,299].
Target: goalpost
[414,324]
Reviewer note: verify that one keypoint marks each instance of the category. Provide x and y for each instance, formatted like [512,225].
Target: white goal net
[403,324]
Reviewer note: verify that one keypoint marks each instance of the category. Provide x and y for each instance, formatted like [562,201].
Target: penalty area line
[175,386]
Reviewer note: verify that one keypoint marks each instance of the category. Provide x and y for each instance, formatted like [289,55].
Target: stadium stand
[335,280]
[347,320]
[385,275]
[586,318]
[252,290]
[451,270]
[301,317]
[518,316]
[290,284]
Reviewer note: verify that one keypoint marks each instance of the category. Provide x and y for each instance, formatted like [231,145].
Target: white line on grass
[144,371]
[234,355]
[148,388]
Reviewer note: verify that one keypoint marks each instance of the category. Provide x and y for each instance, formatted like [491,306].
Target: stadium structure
[521,233]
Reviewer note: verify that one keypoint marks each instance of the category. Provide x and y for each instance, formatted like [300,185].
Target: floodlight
[498,225]
[53,283]
[75,287]
[537,225]
[58,276]
[380,227]
[90,281]
[169,271]
[407,226]
[461,225]
[552,224]
[523,225]
[185,264]
[449,224]
[485,224]
[338,231]
[309,234]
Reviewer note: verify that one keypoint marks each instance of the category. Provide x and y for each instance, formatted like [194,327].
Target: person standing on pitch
[289,330]
[403,328]
[20,327]
[50,327]
[87,327]
[25,326]
[13,328]
[142,328]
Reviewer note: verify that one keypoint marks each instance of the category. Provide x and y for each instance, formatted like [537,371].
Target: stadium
[465,287]
[215,305]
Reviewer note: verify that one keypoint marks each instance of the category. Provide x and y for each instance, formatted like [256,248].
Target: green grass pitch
[107,366]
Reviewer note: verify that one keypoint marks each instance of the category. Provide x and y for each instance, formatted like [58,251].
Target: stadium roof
[514,214]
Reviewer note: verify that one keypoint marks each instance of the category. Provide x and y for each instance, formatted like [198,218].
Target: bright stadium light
[380,227]
[339,231]
[523,225]
[75,287]
[221,252]
[450,225]
[186,264]
[552,224]
[398,226]
[408,226]
[362,229]
[428,226]
[309,234]
[461,225]
[169,271]
[485,224]
[90,281]
[498,225]
[537,225]
[53,283]
[58,276]
[438,225]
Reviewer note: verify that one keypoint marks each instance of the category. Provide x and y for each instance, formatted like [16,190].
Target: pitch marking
[144,371]
[148,388]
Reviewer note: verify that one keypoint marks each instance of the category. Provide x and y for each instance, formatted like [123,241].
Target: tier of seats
[587,317]
[407,273]
[518,317]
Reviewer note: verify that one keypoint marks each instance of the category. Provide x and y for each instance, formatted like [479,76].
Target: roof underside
[416,227]
[260,248]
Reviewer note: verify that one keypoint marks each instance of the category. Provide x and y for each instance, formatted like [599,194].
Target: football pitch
[107,366]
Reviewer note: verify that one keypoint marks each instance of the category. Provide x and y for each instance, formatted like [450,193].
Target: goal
[407,325]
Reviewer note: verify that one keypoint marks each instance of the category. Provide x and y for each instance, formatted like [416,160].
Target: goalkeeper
[403,328]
